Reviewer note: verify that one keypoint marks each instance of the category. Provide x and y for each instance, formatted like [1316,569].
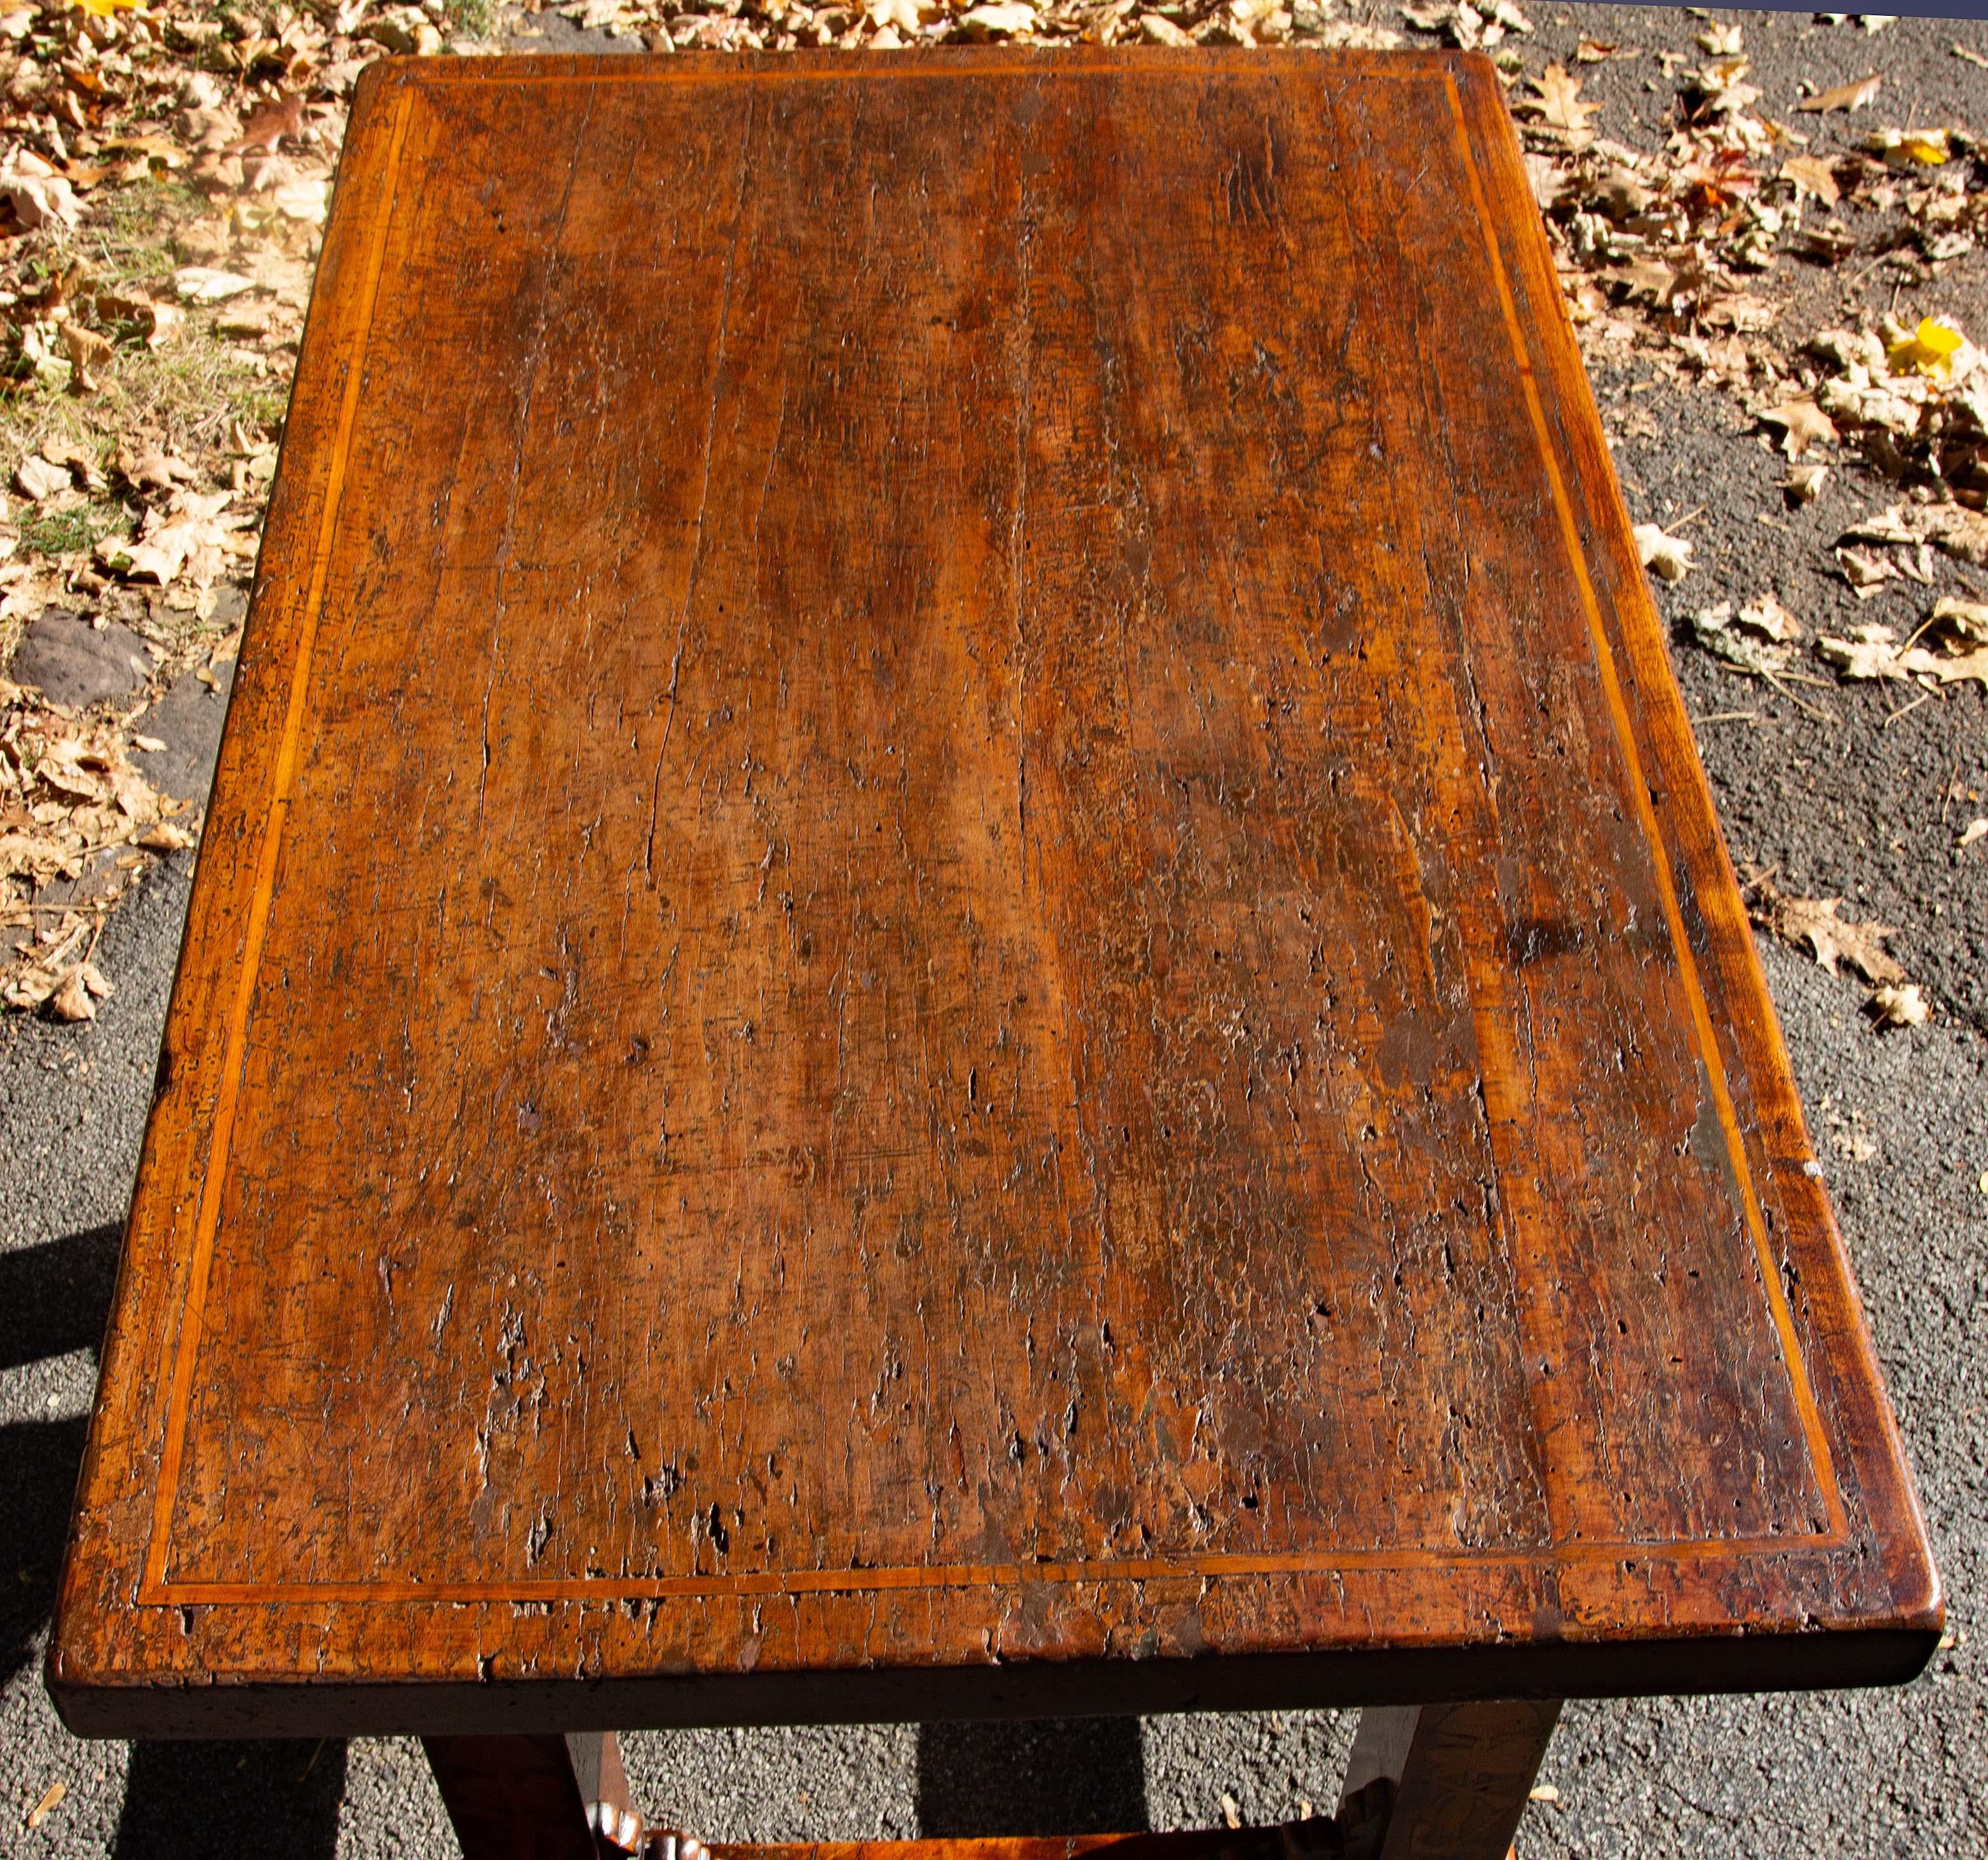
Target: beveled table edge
[1337,1679]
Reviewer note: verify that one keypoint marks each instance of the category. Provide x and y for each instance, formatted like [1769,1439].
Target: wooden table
[959,954]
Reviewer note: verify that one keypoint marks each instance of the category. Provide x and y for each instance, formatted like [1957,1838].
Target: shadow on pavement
[54,1298]
[1057,1776]
[191,1801]
[37,1466]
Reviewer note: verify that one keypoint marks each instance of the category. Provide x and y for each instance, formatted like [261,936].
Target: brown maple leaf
[268,126]
[1813,922]
[1558,101]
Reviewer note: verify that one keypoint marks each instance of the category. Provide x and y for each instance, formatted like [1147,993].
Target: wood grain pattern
[959,950]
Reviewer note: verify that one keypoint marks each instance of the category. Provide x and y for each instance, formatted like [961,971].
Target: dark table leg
[1460,1774]
[522,1799]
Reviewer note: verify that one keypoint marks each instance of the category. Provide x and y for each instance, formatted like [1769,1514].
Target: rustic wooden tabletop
[959,952]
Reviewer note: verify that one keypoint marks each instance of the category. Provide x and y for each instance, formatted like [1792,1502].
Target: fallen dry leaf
[268,126]
[1804,482]
[1872,651]
[154,470]
[1929,349]
[1719,631]
[36,192]
[39,479]
[306,200]
[1955,670]
[1905,148]
[1975,829]
[1900,1007]
[1547,180]
[1954,528]
[1802,423]
[203,283]
[76,997]
[1667,557]
[1811,174]
[1623,197]
[1004,20]
[1875,652]
[1964,619]
[1853,95]
[1649,279]
[1813,924]
[1738,310]
[87,352]
[51,1800]
[1558,101]
[1767,615]
[1866,574]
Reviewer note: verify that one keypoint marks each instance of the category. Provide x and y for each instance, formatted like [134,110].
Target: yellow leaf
[1929,350]
[104,9]
[1926,147]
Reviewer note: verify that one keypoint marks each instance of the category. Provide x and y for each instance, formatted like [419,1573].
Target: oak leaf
[1813,922]
[1559,102]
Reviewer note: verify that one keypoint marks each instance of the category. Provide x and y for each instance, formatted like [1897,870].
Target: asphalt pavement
[1900,1120]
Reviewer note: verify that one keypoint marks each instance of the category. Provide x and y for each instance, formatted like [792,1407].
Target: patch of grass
[79,528]
[264,408]
[131,236]
[472,18]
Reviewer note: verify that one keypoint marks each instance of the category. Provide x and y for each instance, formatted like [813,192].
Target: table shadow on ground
[190,1802]
[53,1300]
[1059,1776]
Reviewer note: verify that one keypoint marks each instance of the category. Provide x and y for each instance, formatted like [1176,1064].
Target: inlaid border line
[193,1312]
[155,1588]
[1646,814]
[971,1575]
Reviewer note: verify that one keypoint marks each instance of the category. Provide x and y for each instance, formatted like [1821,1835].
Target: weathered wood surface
[959,950]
